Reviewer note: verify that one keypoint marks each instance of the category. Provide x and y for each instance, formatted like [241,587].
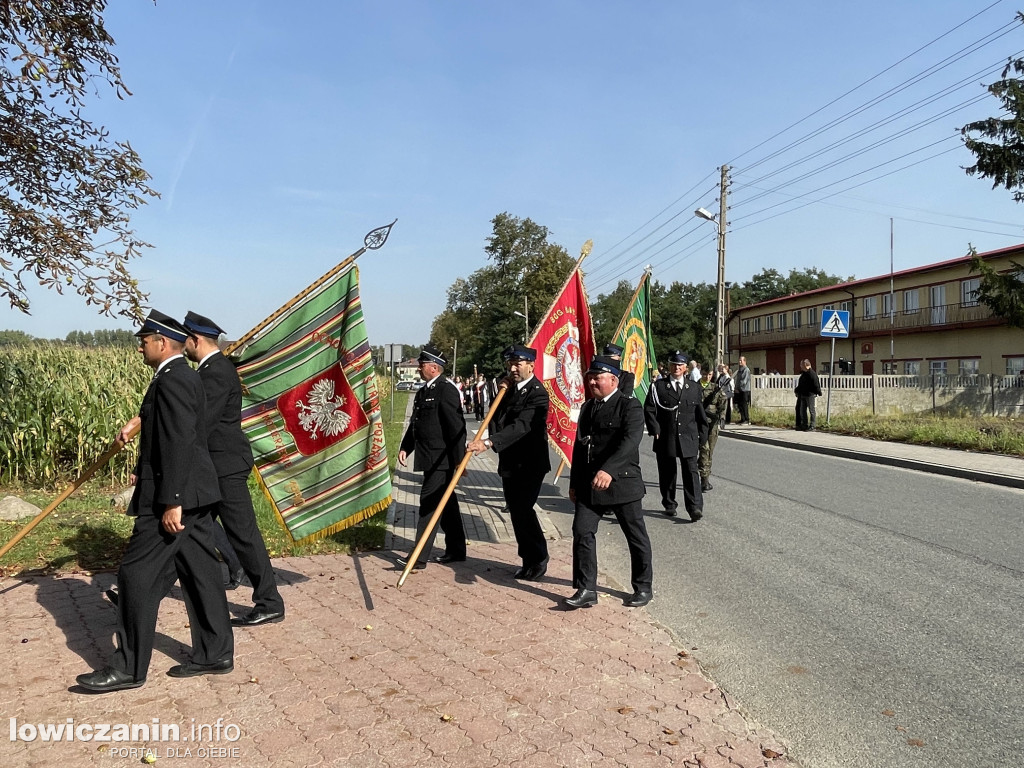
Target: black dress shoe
[191,669]
[520,574]
[402,561]
[705,485]
[236,579]
[111,596]
[257,616]
[108,679]
[535,572]
[582,599]
[446,558]
[696,515]
[638,600]
[670,511]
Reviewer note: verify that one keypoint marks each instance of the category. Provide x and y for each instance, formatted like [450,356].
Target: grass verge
[86,534]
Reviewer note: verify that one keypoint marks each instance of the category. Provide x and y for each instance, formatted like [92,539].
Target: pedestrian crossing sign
[835,323]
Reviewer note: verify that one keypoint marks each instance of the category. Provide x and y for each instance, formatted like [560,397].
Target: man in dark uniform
[627,381]
[519,435]
[606,477]
[176,489]
[676,420]
[437,435]
[232,458]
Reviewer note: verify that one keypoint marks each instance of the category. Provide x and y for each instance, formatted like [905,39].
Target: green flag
[311,411]
[634,336]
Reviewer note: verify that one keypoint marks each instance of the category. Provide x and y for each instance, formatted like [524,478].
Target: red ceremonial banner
[565,346]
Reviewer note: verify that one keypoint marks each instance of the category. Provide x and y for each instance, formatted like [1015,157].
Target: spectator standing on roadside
[728,387]
[807,389]
[741,392]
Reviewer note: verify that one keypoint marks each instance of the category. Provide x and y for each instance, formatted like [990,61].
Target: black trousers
[742,400]
[806,414]
[584,543]
[434,485]
[239,520]
[521,497]
[693,497]
[152,561]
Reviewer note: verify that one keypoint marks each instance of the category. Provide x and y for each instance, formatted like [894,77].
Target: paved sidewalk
[983,467]
[462,667]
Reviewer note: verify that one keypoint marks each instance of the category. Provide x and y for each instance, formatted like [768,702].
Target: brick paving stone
[525,683]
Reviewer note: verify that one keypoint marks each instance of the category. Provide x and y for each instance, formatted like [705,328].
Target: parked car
[404,386]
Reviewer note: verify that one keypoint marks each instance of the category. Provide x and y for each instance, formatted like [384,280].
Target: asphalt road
[870,616]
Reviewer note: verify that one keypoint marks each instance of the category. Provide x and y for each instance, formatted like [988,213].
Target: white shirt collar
[522,384]
[215,352]
[165,362]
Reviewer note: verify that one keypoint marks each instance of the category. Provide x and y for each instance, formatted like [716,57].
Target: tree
[769,284]
[480,312]
[607,311]
[67,187]
[1001,158]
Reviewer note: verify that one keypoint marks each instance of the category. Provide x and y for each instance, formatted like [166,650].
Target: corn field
[60,407]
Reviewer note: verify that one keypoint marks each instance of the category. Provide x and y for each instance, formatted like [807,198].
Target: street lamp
[526,317]
[704,213]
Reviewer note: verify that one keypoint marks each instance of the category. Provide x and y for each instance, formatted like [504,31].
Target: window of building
[911,302]
[782,321]
[890,367]
[796,318]
[937,367]
[757,325]
[1014,366]
[887,305]
[969,367]
[746,327]
[869,306]
[812,316]
[769,323]
[844,306]
[969,291]
[912,368]
[938,309]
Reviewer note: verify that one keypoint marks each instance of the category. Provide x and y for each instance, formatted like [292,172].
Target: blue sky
[279,134]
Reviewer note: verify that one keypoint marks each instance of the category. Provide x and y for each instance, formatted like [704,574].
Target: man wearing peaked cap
[176,489]
[519,436]
[232,457]
[627,381]
[605,478]
[437,437]
[676,419]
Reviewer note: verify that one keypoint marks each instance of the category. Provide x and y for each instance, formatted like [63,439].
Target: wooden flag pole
[625,317]
[414,557]
[93,468]
[558,473]
[374,240]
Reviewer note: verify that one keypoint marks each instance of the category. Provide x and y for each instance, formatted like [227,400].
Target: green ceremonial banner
[634,336]
[311,410]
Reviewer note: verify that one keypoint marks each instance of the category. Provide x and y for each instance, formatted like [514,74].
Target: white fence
[976,394]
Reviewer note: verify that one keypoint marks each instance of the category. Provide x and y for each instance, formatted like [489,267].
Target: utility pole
[720,315]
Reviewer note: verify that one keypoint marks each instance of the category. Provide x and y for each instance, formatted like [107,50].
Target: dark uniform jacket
[608,441]
[520,433]
[627,383]
[174,465]
[229,447]
[676,417]
[437,429]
